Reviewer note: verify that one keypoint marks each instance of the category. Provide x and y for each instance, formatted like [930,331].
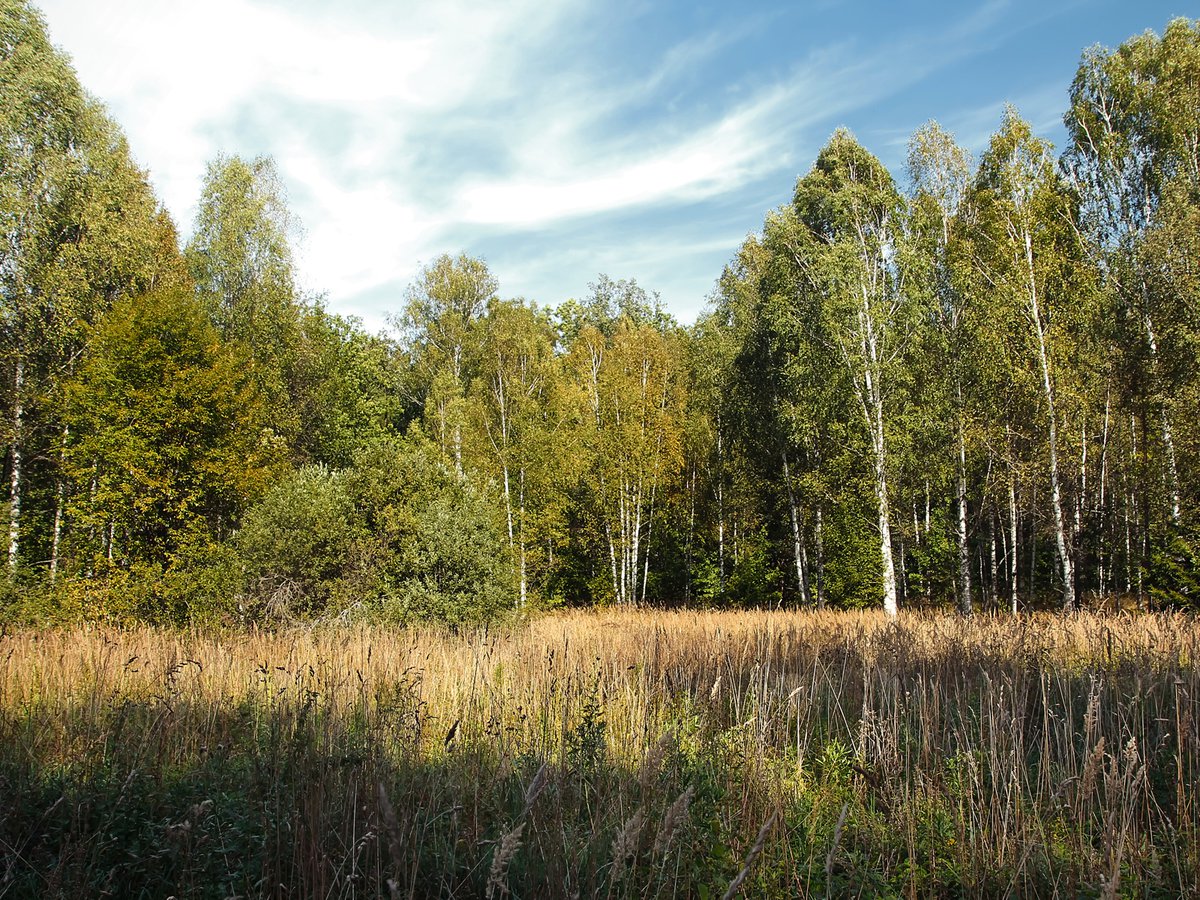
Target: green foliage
[346,388]
[1173,573]
[295,544]
[79,229]
[169,433]
[398,537]
[239,255]
[435,549]
[754,579]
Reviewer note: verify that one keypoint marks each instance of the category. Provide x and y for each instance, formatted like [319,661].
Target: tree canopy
[974,385]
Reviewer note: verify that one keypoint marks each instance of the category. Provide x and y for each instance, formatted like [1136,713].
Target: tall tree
[80,229]
[783,389]
[170,432]
[441,326]
[1134,124]
[851,219]
[630,379]
[516,407]
[1029,218]
[940,172]
[240,258]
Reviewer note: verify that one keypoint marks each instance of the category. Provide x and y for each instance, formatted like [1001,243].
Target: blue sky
[557,140]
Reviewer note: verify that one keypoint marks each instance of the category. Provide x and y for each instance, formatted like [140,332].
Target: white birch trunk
[890,605]
[1066,565]
[1104,556]
[1014,555]
[993,596]
[720,518]
[524,586]
[1168,436]
[14,489]
[59,502]
[873,407]
[797,537]
[819,540]
[964,551]
[612,555]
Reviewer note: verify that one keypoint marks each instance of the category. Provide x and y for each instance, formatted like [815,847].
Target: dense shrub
[398,536]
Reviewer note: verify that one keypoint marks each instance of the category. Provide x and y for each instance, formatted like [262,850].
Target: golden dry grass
[615,753]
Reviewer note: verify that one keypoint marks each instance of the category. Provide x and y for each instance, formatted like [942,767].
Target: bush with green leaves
[295,544]
[1173,570]
[435,548]
[398,537]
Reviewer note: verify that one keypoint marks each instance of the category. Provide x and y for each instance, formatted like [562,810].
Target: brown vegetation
[636,754]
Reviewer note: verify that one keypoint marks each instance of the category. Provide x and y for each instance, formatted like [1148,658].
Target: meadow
[607,754]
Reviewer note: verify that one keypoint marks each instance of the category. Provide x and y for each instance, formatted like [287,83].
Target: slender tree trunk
[1128,546]
[635,544]
[797,537]
[60,495]
[993,568]
[458,454]
[927,505]
[1066,564]
[870,399]
[1168,437]
[691,534]
[1081,499]
[1014,559]
[890,604]
[1032,529]
[720,539]
[521,542]
[508,509]
[612,556]
[819,540]
[964,551]
[14,490]
[1104,554]
[649,534]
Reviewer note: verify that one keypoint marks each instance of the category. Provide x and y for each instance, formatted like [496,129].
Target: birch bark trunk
[1066,564]
[797,537]
[965,606]
[14,488]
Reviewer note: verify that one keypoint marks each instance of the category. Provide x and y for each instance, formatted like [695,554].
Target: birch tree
[852,219]
[81,229]
[441,327]
[1033,264]
[1134,123]
[240,257]
[515,405]
[631,385]
[940,173]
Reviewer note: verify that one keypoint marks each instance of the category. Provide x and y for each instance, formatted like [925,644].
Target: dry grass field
[607,754]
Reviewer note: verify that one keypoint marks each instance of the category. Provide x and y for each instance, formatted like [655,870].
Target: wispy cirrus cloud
[559,138]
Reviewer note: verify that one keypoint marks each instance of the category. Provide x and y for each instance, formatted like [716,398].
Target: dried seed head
[654,758]
[672,820]
[625,844]
[1091,769]
[506,849]
[535,788]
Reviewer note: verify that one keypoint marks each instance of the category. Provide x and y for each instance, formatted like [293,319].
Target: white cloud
[426,127]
